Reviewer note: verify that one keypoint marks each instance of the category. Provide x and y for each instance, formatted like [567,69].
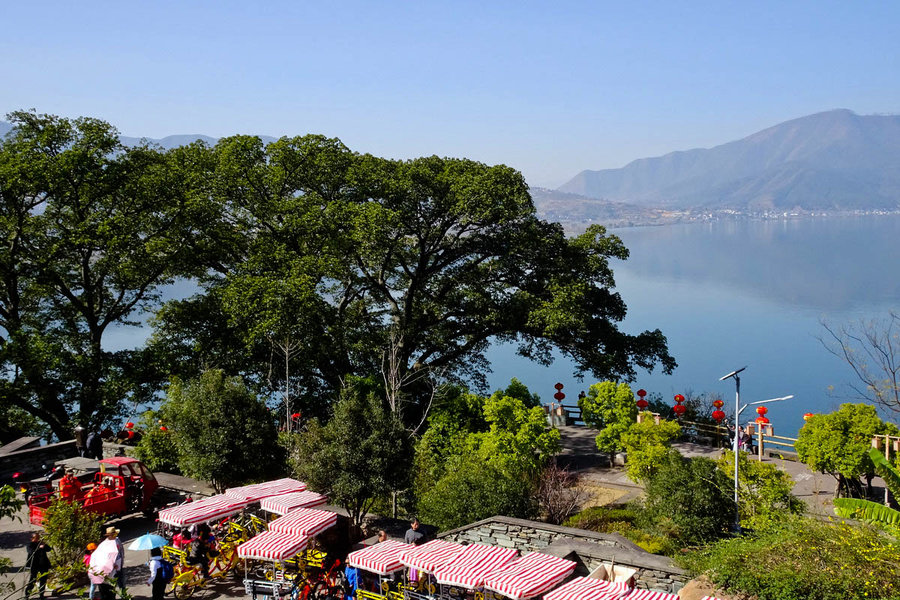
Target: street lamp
[738,409]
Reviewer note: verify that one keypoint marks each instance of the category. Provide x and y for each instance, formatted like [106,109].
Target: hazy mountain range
[835,160]
[830,161]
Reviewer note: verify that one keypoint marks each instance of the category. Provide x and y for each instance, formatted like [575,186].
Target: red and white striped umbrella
[530,576]
[637,594]
[382,558]
[257,491]
[207,509]
[304,521]
[585,588]
[473,564]
[282,505]
[270,545]
[431,555]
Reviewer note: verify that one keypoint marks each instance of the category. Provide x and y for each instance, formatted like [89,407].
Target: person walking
[38,563]
[413,535]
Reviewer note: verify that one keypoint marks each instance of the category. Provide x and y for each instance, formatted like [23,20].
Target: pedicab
[285,503]
[589,588]
[381,559]
[308,570]
[529,576]
[257,491]
[275,547]
[467,572]
[189,577]
[422,561]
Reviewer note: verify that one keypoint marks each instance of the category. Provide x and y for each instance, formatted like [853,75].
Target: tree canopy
[609,407]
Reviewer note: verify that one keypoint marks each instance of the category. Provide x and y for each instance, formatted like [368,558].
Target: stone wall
[588,549]
[30,460]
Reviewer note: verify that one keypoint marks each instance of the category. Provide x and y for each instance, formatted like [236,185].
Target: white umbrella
[103,561]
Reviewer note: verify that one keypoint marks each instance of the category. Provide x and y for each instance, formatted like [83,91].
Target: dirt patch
[599,495]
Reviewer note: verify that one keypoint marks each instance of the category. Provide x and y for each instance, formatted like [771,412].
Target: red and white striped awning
[473,564]
[530,576]
[431,555]
[285,503]
[585,588]
[304,521]
[200,511]
[637,594]
[270,545]
[382,558]
[257,491]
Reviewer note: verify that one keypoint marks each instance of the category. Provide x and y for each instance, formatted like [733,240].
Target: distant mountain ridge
[835,160]
[168,142]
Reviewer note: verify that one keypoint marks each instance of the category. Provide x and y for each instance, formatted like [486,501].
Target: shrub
[764,491]
[688,500]
[68,528]
[647,445]
[803,558]
[157,447]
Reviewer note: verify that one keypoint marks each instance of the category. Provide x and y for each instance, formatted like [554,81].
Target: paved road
[580,452]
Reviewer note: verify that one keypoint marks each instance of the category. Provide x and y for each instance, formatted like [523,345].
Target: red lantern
[130,434]
[679,409]
[129,425]
[558,386]
[295,416]
[718,415]
[679,398]
[761,410]
[718,404]
[807,416]
[762,420]
[162,428]
[642,404]
[642,392]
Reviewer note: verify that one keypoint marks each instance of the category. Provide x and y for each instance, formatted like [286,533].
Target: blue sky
[548,88]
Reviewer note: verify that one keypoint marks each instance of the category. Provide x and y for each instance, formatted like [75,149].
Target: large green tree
[408,268]
[91,231]
[609,407]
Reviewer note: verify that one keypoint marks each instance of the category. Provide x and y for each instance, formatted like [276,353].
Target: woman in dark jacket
[38,565]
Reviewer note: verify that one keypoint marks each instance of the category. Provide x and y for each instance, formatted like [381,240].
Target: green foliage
[475,490]
[363,452]
[647,445]
[609,408]
[623,521]
[798,558]
[68,529]
[157,448]
[518,390]
[764,490]
[871,512]
[456,465]
[95,229]
[838,443]
[688,500]
[10,504]
[223,433]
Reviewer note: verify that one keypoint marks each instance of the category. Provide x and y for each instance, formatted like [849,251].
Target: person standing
[156,582]
[38,565]
[81,440]
[413,535]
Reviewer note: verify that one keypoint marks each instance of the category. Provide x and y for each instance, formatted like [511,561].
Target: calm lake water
[754,293]
[726,295]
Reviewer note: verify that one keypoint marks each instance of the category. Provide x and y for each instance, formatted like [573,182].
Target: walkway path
[581,455]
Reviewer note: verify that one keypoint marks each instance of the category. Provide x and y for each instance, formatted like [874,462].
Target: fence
[720,436]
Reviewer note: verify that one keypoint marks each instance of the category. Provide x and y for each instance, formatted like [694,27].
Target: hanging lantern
[679,398]
[761,411]
[807,416]
[559,396]
[642,392]
[762,420]
[679,409]
[129,425]
[130,434]
[718,404]
[163,428]
[642,404]
[718,415]
[295,416]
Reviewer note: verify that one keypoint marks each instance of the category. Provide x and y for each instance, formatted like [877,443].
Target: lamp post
[738,409]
